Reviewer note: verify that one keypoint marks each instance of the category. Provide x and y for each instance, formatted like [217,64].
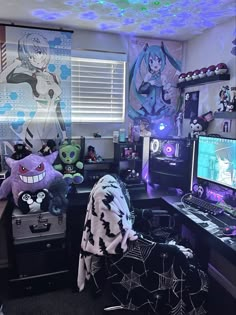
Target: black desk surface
[206,226]
[170,199]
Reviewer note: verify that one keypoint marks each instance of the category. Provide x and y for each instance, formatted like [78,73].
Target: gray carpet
[61,302]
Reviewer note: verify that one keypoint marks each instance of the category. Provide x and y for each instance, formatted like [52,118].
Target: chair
[144,276]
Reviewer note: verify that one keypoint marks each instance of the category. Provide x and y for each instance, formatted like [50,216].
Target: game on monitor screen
[216,160]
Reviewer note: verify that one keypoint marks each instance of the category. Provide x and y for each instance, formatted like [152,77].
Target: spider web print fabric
[157,279]
[146,276]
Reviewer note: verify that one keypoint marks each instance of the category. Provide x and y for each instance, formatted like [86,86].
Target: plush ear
[51,157]
[10,161]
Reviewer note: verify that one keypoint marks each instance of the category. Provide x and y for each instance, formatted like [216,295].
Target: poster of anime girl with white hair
[153,76]
[35,85]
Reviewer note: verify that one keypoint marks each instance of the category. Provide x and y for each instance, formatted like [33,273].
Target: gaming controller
[230,230]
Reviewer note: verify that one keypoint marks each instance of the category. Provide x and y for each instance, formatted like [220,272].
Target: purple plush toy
[31,174]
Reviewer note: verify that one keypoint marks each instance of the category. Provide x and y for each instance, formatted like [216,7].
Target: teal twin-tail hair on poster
[35,85]
[149,90]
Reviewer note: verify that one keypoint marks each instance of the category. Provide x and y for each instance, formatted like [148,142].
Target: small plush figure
[21,151]
[48,148]
[200,124]
[31,174]
[224,99]
[70,165]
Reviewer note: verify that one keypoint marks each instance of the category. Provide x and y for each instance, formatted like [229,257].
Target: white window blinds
[98,87]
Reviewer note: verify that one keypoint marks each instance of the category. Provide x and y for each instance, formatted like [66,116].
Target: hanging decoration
[35,85]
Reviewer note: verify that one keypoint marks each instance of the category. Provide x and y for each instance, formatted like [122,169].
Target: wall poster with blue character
[35,85]
[153,94]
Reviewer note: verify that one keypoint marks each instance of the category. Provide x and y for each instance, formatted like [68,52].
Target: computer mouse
[230,230]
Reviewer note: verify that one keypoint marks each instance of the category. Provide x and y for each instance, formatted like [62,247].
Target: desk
[217,252]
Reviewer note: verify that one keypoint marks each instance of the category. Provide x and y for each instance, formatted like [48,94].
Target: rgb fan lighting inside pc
[165,148]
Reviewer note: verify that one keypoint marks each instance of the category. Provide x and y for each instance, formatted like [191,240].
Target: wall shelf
[225,115]
[211,79]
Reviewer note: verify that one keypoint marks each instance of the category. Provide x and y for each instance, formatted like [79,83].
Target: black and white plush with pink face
[32,173]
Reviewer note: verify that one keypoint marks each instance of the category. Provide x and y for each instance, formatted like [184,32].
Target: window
[98,87]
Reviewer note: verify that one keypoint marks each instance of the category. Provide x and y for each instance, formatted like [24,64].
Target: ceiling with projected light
[170,19]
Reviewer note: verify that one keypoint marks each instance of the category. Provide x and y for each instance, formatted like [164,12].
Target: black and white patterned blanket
[108,225]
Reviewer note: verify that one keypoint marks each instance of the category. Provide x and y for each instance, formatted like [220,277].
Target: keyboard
[202,205]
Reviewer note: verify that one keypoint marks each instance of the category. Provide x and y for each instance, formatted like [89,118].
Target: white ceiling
[169,19]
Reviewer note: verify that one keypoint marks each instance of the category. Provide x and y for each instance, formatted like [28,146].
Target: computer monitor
[216,160]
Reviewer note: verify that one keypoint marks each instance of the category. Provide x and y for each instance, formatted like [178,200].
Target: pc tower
[170,163]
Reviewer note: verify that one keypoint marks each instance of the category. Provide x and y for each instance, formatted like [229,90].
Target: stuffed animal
[29,179]
[70,165]
[21,151]
[200,124]
[48,148]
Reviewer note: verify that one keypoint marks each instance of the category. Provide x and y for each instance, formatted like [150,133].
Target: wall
[210,48]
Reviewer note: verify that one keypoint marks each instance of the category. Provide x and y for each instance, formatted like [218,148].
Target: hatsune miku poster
[35,85]
[153,75]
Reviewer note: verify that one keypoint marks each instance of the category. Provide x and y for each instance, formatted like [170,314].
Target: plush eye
[63,155]
[22,169]
[72,154]
[40,167]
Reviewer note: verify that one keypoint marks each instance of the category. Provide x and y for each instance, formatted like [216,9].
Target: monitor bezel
[199,178]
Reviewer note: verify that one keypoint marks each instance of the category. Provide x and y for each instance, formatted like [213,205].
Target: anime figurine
[31,174]
[200,124]
[31,67]
[224,99]
[231,107]
[92,155]
[70,165]
[154,93]
[179,124]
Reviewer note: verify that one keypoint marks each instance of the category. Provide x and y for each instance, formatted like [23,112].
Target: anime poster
[154,99]
[191,104]
[35,85]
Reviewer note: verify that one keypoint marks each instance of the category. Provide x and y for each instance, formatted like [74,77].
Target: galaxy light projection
[177,19]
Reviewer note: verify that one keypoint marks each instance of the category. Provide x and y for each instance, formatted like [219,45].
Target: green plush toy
[70,165]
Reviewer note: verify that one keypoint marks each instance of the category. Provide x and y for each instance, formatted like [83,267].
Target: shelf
[225,115]
[211,79]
